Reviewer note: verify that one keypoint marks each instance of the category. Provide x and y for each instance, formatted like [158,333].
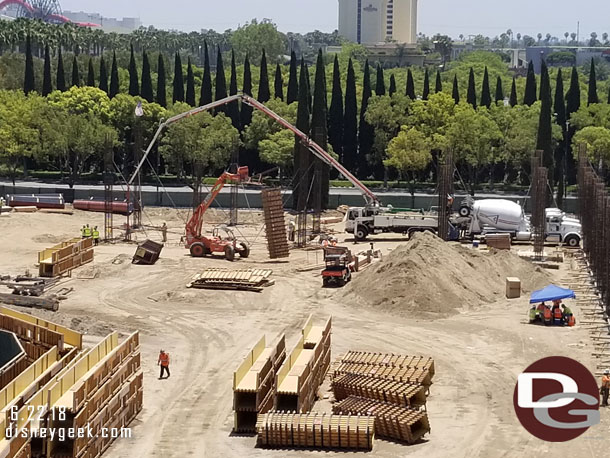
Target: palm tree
[567,34]
[539,37]
[573,36]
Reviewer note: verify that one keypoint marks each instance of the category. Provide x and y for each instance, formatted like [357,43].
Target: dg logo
[556,399]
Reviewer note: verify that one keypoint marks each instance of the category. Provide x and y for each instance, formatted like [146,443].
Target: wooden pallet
[391,421]
[244,280]
[319,430]
[394,392]
[275,225]
[388,359]
[403,374]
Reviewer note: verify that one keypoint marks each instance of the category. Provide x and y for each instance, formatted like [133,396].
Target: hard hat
[607,371]
[162,351]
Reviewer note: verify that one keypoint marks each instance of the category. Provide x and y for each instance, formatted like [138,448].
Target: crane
[201,245]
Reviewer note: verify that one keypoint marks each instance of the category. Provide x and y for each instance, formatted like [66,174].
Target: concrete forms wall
[65,256]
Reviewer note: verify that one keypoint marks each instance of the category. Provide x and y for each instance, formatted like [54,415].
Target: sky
[450,17]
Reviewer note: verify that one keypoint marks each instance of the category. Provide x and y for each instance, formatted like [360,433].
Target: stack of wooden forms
[391,421]
[304,370]
[278,429]
[395,392]
[36,340]
[14,359]
[254,384]
[242,280]
[498,241]
[275,226]
[62,258]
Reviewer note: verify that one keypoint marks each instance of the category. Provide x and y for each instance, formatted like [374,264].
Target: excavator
[201,245]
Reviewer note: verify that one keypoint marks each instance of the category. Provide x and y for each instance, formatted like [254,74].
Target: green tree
[499,90]
[366,134]
[233,107]
[456,90]
[255,36]
[206,84]
[103,75]
[410,85]
[409,152]
[319,130]
[61,75]
[91,74]
[246,110]
[278,84]
[380,83]
[190,85]
[426,92]
[486,91]
[29,84]
[293,84]
[350,121]
[114,78]
[392,89]
[263,127]
[597,140]
[530,86]
[221,80]
[471,96]
[75,72]
[264,93]
[592,96]
[134,84]
[278,149]
[513,93]
[47,84]
[178,93]
[336,114]
[302,159]
[545,129]
[561,119]
[147,88]
[433,117]
[161,82]
[438,87]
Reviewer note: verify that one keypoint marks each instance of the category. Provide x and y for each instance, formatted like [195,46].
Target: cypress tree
[426,92]
[75,72]
[161,82]
[114,77]
[456,89]
[29,82]
[134,84]
[302,156]
[47,84]
[392,89]
[544,140]
[278,84]
[103,76]
[439,83]
[293,84]
[499,90]
[350,120]
[609,94]
[471,96]
[486,91]
[366,135]
[61,75]
[410,85]
[380,84]
[221,81]
[560,103]
[246,110]
[206,84]
[190,85]
[264,94]
[319,129]
[573,97]
[91,74]
[147,87]
[233,107]
[513,93]
[530,86]
[308,81]
[560,151]
[592,98]
[178,93]
[335,114]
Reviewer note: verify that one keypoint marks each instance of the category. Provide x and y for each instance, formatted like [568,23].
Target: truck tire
[230,253]
[244,251]
[361,233]
[572,241]
[464,211]
[198,250]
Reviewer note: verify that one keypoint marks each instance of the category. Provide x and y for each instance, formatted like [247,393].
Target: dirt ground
[478,352]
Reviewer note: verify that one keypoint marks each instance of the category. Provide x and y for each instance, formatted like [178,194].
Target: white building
[107,24]
[378,21]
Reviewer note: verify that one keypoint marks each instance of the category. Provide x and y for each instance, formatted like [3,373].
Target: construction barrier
[281,429]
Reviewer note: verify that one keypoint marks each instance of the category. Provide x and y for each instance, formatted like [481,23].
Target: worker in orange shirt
[548,316]
[605,388]
[164,363]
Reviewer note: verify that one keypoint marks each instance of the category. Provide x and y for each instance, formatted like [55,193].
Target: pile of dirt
[51,239]
[430,278]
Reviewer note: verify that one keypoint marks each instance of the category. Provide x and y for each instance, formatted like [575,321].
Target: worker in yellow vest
[82,231]
[96,236]
[87,231]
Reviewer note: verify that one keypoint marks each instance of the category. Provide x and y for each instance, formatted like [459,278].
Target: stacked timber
[254,384]
[242,280]
[275,226]
[304,370]
[498,241]
[395,392]
[64,257]
[391,421]
[279,429]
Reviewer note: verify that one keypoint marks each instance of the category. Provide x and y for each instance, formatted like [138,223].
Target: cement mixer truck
[496,216]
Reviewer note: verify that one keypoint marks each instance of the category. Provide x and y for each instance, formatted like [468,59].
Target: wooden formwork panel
[392,421]
[402,374]
[395,392]
[275,225]
[388,359]
[30,332]
[281,429]
[25,452]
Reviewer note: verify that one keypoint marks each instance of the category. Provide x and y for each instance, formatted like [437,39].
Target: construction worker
[533,314]
[164,363]
[82,231]
[605,388]
[548,316]
[568,316]
[96,236]
[540,311]
[164,232]
[87,231]
[557,315]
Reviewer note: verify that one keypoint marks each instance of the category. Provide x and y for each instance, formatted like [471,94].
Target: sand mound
[430,278]
[51,239]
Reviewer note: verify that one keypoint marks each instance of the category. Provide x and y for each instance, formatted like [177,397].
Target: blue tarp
[551,293]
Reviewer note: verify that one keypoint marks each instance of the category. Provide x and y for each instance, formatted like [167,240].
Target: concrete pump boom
[369,197]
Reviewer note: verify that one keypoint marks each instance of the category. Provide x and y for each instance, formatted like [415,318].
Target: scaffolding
[108,194]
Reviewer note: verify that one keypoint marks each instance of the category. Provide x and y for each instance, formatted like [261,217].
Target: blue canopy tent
[551,293]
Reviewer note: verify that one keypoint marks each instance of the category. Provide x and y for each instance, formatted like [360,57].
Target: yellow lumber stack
[242,280]
[399,393]
[64,257]
[278,429]
[275,226]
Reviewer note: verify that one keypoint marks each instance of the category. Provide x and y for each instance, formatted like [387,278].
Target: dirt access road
[478,353]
